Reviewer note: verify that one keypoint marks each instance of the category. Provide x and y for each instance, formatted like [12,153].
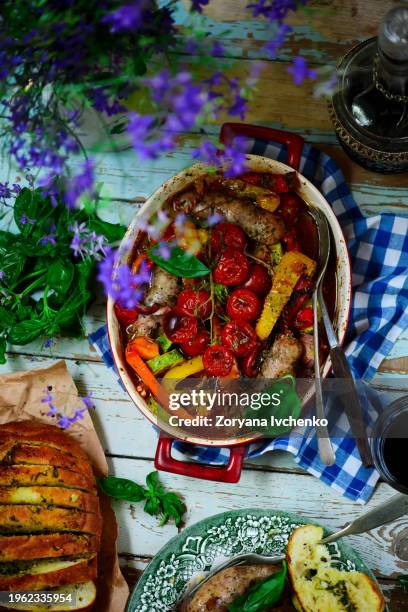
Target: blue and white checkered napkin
[378,248]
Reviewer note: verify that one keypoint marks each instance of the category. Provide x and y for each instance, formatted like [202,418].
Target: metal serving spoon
[389,511]
[326,452]
[340,366]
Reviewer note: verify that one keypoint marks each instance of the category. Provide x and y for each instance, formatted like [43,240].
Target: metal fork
[326,452]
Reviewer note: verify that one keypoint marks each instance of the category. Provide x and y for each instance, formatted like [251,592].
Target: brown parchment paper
[20,399]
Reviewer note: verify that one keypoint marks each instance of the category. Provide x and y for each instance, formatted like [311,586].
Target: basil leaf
[26,331]
[60,275]
[29,204]
[12,264]
[261,595]
[152,506]
[289,405]
[403,582]
[180,263]
[112,231]
[173,507]
[122,488]
[3,345]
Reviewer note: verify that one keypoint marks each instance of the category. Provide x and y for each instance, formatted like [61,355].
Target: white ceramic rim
[312,197]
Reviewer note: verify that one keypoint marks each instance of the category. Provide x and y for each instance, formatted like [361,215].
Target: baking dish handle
[293,142]
[228,473]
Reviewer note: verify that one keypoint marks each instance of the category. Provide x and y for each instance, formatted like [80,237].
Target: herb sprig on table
[158,501]
[46,268]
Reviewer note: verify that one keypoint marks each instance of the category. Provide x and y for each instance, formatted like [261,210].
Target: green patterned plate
[197,549]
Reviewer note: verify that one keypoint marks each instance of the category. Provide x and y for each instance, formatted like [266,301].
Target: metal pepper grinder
[369,108]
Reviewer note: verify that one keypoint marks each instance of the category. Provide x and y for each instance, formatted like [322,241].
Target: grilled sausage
[221,590]
[281,358]
[163,289]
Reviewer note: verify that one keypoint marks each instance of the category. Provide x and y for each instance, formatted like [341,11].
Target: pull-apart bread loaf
[50,521]
[318,586]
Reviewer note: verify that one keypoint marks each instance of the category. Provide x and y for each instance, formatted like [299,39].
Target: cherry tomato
[280,183]
[218,360]
[232,268]
[197,345]
[243,304]
[304,318]
[226,235]
[180,327]
[125,316]
[239,337]
[290,206]
[194,303]
[248,364]
[258,279]
[290,242]
[254,178]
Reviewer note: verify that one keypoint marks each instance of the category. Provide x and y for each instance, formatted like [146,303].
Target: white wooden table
[274,481]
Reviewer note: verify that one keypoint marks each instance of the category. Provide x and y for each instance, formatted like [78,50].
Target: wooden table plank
[322,34]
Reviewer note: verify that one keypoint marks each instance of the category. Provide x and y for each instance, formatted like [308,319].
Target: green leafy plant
[403,582]
[46,269]
[158,501]
[261,595]
[180,263]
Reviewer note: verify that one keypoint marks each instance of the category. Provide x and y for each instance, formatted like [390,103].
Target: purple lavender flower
[87,243]
[214,218]
[197,5]
[24,220]
[300,70]
[80,184]
[2,274]
[126,17]
[235,155]
[87,400]
[49,343]
[64,421]
[207,152]
[163,250]
[120,283]
[272,46]
[49,238]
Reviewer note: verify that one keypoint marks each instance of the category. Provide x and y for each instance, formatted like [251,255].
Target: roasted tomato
[249,363]
[239,337]
[180,327]
[259,280]
[232,268]
[218,360]
[243,304]
[290,207]
[226,235]
[290,242]
[194,303]
[304,318]
[125,316]
[197,345]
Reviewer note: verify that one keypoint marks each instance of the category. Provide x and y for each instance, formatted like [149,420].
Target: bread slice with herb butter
[13,475]
[31,454]
[52,496]
[50,520]
[46,545]
[36,518]
[321,588]
[43,573]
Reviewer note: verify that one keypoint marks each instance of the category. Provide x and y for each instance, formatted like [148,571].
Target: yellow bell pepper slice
[287,273]
[185,369]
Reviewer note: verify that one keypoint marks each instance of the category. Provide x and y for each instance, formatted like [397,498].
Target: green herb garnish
[180,263]
[158,501]
[261,595]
